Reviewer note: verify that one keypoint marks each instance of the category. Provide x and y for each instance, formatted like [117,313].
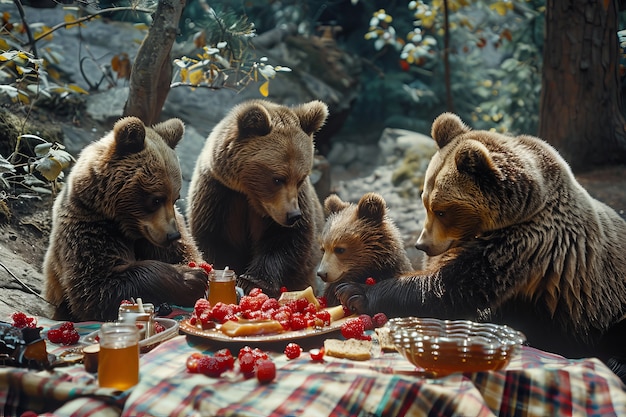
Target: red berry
[246,363]
[323,301]
[297,321]
[379,319]
[317,354]
[367,321]
[202,305]
[265,371]
[324,315]
[192,264]
[192,362]
[352,328]
[293,351]
[283,289]
[255,291]
[225,359]
[207,267]
[370,281]
[210,366]
[21,320]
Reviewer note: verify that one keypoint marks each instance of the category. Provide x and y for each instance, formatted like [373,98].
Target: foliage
[494,56]
[49,161]
[223,41]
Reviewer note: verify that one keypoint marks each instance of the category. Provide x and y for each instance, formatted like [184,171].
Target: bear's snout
[293,216]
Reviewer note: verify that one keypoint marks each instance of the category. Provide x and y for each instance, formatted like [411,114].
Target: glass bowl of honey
[442,347]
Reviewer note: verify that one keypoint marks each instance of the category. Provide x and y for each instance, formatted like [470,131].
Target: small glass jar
[222,286]
[118,358]
[130,313]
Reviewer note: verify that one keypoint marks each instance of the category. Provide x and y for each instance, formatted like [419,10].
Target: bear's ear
[254,120]
[333,204]
[171,131]
[312,116]
[473,158]
[446,127]
[372,207]
[129,134]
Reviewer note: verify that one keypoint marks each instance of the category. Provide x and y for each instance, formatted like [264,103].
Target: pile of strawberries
[294,315]
[251,362]
[355,328]
[21,320]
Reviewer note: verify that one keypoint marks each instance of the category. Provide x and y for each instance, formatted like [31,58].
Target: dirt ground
[24,239]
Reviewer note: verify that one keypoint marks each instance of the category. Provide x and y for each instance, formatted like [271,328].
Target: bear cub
[512,237]
[359,241]
[251,204]
[116,233]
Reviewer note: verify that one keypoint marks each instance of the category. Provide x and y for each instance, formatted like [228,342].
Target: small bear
[116,233]
[359,241]
[251,204]
[511,237]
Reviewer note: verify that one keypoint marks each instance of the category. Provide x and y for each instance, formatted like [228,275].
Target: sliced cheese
[295,295]
[336,312]
[251,328]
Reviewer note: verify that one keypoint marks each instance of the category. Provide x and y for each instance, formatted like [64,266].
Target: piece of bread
[383,334]
[354,349]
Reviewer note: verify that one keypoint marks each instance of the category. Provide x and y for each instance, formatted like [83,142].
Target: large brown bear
[359,241]
[116,233]
[251,204]
[512,237]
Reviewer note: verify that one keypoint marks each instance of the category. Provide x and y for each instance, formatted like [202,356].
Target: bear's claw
[352,296]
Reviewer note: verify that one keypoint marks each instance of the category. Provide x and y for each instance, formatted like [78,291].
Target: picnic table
[534,383]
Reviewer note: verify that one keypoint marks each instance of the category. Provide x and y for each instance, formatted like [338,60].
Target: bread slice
[357,350]
[383,334]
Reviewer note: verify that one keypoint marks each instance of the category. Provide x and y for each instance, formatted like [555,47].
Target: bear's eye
[440,213]
[155,202]
[339,251]
[279,181]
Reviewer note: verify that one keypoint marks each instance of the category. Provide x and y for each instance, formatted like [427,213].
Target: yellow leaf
[264,89]
[77,89]
[196,76]
[3,46]
[70,20]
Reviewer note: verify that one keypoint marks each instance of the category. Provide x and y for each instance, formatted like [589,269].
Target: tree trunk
[580,105]
[151,74]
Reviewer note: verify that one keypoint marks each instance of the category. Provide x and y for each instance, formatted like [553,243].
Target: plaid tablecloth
[535,383]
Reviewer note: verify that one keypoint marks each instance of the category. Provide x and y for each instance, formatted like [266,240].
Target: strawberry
[370,281]
[367,321]
[293,351]
[265,371]
[317,354]
[353,328]
[379,319]
[192,362]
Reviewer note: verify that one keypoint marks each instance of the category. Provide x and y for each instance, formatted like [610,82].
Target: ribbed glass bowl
[442,347]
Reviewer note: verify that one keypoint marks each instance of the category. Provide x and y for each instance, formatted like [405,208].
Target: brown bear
[251,204]
[116,233]
[359,241]
[511,237]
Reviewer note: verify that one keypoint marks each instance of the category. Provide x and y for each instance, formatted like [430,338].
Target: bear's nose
[293,216]
[171,237]
[322,275]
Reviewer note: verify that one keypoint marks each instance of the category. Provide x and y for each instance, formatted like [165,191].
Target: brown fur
[252,206]
[512,237]
[116,233]
[359,241]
